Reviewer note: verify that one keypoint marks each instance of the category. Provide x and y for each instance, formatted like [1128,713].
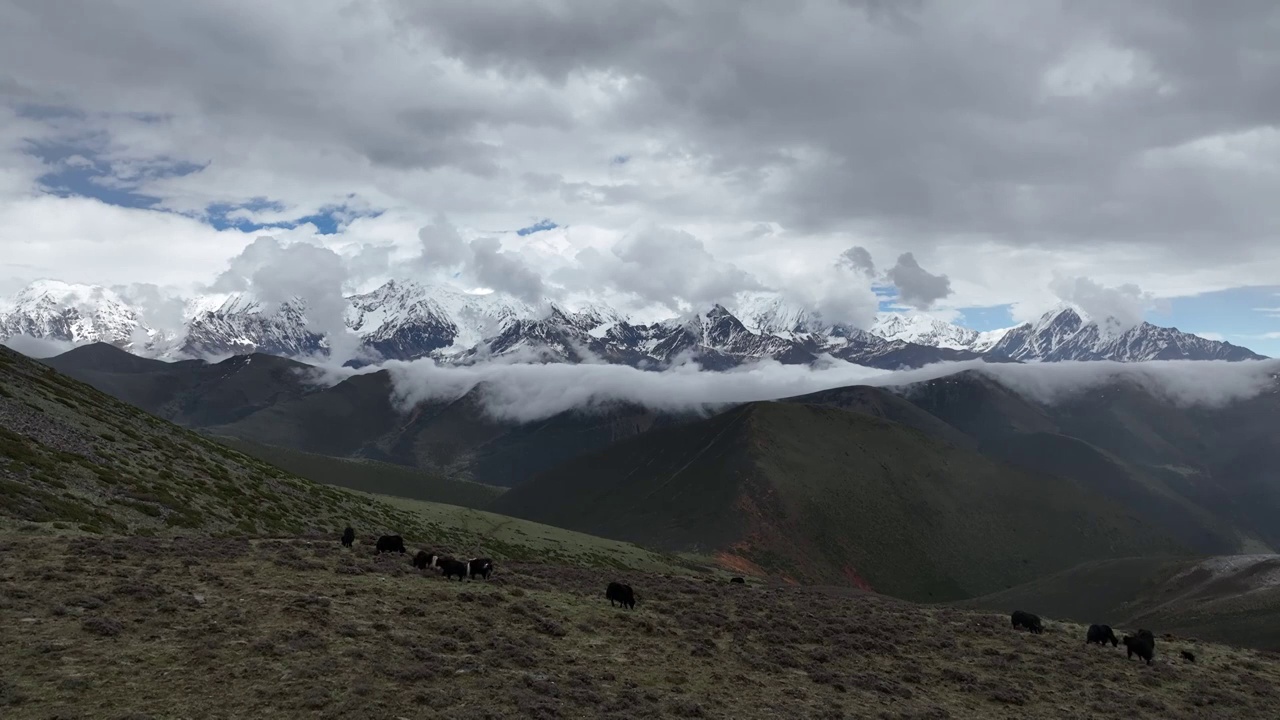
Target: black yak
[621,594]
[480,566]
[1188,656]
[424,560]
[390,543]
[1028,621]
[1101,634]
[737,581]
[1143,645]
[449,568]
[348,536]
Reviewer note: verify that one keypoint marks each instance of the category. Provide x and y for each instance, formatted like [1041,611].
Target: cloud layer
[530,392]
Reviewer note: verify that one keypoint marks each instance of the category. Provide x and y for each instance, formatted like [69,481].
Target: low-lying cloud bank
[523,392]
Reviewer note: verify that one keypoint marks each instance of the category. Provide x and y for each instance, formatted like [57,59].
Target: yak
[621,594]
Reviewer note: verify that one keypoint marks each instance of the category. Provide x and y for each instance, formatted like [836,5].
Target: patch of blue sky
[540,226]
[239,216]
[619,159]
[77,170]
[983,319]
[1248,316]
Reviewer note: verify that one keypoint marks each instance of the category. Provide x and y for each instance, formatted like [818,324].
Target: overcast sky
[980,160]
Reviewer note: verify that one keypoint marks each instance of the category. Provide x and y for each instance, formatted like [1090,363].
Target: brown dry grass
[205,628]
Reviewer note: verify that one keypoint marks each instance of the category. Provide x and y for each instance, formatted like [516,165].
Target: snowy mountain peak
[406,319]
[772,314]
[74,313]
[928,330]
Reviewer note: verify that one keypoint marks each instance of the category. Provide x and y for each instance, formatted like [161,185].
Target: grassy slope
[369,476]
[77,460]
[235,628]
[1169,593]
[820,494]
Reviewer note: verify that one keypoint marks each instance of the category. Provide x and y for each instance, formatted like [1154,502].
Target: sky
[980,161]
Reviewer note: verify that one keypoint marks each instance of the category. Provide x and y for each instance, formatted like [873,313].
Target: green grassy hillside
[1232,598]
[817,494]
[75,460]
[369,475]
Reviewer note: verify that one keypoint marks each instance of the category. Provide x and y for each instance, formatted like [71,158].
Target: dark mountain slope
[1188,469]
[369,475]
[105,358]
[458,438]
[347,419]
[818,494]
[192,393]
[885,404]
[462,440]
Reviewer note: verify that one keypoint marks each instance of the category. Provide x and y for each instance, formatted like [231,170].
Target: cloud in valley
[529,392]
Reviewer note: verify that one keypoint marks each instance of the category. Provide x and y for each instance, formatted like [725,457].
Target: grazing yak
[1028,621]
[737,581]
[1143,645]
[1188,656]
[450,567]
[348,536]
[390,543]
[621,594]
[1101,634]
[479,566]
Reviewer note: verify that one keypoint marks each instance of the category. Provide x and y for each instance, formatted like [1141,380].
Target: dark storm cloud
[916,286]
[1036,122]
[858,258]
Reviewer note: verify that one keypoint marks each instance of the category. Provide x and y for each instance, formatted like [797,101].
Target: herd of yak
[618,594]
[1142,644]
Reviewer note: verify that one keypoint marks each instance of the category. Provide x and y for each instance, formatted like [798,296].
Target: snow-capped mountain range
[405,320]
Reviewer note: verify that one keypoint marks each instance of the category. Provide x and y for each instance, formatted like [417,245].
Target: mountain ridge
[406,320]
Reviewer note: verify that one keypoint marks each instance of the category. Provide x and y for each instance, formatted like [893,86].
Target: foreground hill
[74,455]
[143,627]
[817,494]
[1231,598]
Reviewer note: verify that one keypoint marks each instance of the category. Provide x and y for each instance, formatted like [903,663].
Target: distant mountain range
[405,320]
